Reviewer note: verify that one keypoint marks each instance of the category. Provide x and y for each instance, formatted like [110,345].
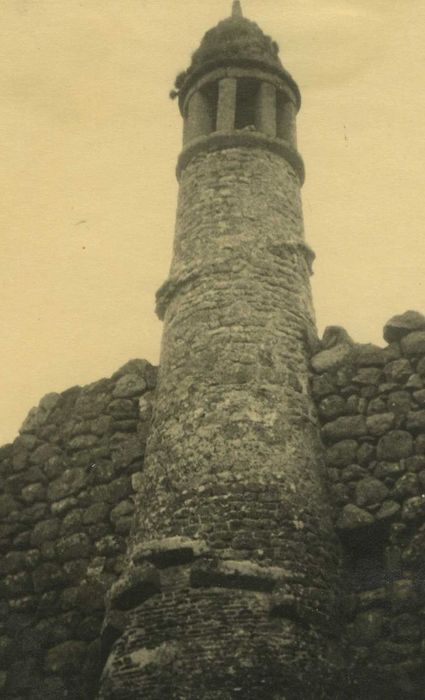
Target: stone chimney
[229,586]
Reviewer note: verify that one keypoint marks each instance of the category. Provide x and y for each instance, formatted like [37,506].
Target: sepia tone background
[89,141]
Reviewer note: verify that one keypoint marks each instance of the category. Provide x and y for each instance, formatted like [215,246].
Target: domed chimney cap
[235,40]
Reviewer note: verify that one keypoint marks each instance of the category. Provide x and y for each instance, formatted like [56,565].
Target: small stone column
[265,113]
[226,104]
[199,120]
[286,123]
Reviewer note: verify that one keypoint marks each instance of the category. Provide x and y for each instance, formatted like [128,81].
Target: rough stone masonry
[249,521]
[229,587]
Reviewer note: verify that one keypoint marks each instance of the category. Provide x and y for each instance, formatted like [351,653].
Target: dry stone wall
[66,507]
[371,403]
[66,504]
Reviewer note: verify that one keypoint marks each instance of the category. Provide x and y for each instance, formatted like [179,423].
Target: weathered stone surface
[419,397]
[352,517]
[339,493]
[137,585]
[388,510]
[16,584]
[34,512]
[414,343]
[129,385]
[420,367]
[414,508]
[415,381]
[420,445]
[43,453]
[73,547]
[243,575]
[146,403]
[12,562]
[370,355]
[169,551]
[322,385]
[398,371]
[59,508]
[413,554]
[33,421]
[376,406]
[369,627]
[128,452]
[6,451]
[406,486]
[389,469]
[416,420]
[14,483]
[109,545]
[141,368]
[399,402]
[403,595]
[365,453]
[332,406]
[33,492]
[386,388]
[395,445]
[91,593]
[380,423]
[45,531]
[8,505]
[334,336]
[95,513]
[370,490]
[69,483]
[344,427]
[72,521]
[328,360]
[406,628]
[376,597]
[401,325]
[23,670]
[123,409]
[123,525]
[82,442]
[343,378]
[66,658]
[356,404]
[353,472]
[368,375]
[47,576]
[122,509]
[342,453]
[92,400]
[113,492]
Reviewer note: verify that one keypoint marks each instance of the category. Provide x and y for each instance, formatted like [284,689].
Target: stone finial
[237,9]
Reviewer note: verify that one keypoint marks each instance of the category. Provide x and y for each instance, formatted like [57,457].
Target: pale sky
[89,141]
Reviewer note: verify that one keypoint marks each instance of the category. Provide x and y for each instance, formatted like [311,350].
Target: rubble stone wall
[66,504]
[66,507]
[371,403]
